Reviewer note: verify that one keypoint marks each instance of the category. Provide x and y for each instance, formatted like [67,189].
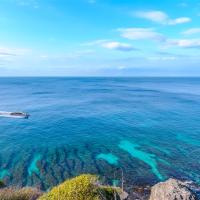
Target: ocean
[149,128]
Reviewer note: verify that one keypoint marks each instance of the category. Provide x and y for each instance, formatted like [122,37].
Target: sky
[99,38]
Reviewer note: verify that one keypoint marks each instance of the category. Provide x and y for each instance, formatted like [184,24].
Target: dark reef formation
[45,168]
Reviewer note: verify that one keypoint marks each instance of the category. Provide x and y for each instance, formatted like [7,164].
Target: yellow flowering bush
[83,187]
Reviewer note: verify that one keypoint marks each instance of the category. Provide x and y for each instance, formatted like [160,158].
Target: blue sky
[99,38]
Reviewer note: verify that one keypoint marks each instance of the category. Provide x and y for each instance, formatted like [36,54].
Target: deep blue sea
[147,127]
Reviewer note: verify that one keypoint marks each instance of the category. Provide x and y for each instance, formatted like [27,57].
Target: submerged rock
[2,185]
[172,189]
[138,192]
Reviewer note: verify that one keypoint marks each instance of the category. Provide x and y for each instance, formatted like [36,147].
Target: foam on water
[33,166]
[3,173]
[110,158]
[148,158]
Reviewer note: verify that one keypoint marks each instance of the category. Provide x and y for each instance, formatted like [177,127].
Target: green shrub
[19,194]
[83,187]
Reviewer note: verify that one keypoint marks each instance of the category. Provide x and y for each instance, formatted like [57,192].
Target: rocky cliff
[173,189]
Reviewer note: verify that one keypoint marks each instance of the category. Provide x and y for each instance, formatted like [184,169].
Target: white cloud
[31,3]
[184,43]
[161,58]
[121,67]
[192,31]
[8,55]
[111,45]
[118,46]
[44,56]
[155,16]
[141,34]
[183,4]
[161,17]
[180,20]
[4,51]
[5,54]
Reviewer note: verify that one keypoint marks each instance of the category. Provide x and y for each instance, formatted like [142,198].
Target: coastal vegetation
[26,193]
[88,187]
[83,187]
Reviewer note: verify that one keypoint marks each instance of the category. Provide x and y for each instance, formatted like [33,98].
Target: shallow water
[147,127]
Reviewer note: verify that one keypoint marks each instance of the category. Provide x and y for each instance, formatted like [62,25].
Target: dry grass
[19,194]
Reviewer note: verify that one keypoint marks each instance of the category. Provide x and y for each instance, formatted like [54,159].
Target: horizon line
[99,76]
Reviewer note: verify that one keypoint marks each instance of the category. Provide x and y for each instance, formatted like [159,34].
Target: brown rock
[172,189]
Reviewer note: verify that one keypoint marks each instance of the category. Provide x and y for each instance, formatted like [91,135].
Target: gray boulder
[172,189]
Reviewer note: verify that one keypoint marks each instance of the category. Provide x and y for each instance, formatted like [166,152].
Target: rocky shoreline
[172,189]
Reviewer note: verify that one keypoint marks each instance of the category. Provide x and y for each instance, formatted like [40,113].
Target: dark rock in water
[2,185]
[173,189]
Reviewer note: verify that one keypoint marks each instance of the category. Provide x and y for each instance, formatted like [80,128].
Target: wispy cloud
[68,56]
[6,52]
[95,42]
[151,34]
[191,31]
[32,3]
[161,58]
[113,45]
[155,16]
[161,17]
[118,46]
[169,54]
[180,20]
[183,4]
[184,43]
[141,34]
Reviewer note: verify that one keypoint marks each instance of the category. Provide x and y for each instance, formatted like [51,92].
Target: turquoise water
[147,127]
[33,168]
[149,159]
[110,158]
